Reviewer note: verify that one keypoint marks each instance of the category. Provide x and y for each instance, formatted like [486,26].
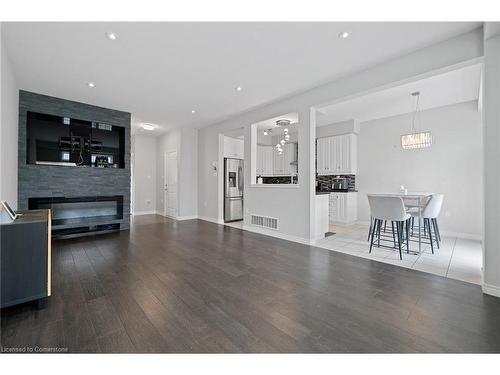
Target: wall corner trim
[491,290]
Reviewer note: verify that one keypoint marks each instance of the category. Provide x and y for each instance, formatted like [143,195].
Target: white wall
[9,109]
[185,143]
[491,240]
[294,207]
[188,174]
[452,165]
[144,174]
[343,127]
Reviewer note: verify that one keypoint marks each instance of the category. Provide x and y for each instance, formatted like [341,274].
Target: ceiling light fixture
[193,111]
[148,127]
[283,123]
[91,84]
[112,36]
[344,35]
[239,88]
[416,140]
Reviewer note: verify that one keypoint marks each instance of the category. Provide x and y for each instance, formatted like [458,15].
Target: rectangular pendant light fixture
[416,140]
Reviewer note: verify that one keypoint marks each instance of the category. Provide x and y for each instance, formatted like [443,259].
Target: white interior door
[170,184]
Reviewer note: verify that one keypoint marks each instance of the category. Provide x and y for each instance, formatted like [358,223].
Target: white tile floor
[235,224]
[457,258]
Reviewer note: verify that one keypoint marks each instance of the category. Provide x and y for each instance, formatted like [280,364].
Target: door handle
[240,178]
[166,187]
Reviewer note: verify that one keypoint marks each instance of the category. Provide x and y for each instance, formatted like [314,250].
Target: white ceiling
[270,123]
[456,86]
[161,71]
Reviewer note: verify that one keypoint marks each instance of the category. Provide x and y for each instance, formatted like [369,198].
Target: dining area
[409,229]
[405,221]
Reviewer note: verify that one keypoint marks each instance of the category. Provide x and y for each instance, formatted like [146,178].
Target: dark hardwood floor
[194,287]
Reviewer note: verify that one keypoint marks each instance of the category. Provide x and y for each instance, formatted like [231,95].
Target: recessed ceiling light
[238,88]
[148,127]
[193,111]
[344,35]
[91,84]
[112,36]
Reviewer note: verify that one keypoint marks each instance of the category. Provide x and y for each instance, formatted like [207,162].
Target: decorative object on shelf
[415,139]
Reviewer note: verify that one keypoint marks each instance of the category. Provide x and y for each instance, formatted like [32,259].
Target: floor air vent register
[264,221]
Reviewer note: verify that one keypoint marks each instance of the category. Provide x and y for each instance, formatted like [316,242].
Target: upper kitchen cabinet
[265,162]
[290,158]
[337,155]
[285,163]
[233,148]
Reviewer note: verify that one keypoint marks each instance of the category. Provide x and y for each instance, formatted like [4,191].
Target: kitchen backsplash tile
[328,180]
[279,180]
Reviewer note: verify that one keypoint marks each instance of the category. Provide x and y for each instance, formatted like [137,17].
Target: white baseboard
[465,236]
[138,213]
[254,229]
[210,219]
[283,236]
[492,290]
[189,217]
[178,218]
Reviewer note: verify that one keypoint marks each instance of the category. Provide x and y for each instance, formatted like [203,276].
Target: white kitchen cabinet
[343,208]
[290,159]
[286,163]
[337,155]
[233,148]
[264,160]
[322,147]
[279,164]
[271,163]
[347,154]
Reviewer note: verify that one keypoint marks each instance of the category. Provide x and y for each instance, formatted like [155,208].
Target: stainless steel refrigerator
[233,189]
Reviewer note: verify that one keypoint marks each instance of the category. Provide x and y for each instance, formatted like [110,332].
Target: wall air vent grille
[264,222]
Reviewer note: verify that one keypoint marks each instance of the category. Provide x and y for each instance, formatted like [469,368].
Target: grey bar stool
[430,214]
[389,208]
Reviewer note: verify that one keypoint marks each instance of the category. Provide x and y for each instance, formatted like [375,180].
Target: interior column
[491,237]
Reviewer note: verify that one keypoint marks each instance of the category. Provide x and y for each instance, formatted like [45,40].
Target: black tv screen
[57,140]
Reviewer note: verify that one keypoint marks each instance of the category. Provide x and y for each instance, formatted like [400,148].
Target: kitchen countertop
[318,192]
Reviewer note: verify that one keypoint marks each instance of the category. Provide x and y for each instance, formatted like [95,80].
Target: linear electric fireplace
[76,216]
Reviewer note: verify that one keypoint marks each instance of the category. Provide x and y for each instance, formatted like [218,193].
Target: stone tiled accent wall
[46,181]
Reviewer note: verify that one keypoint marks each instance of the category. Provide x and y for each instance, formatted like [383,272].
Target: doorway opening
[361,152]
[232,178]
[170,195]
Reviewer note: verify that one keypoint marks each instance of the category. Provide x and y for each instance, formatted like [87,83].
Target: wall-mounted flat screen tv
[57,140]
